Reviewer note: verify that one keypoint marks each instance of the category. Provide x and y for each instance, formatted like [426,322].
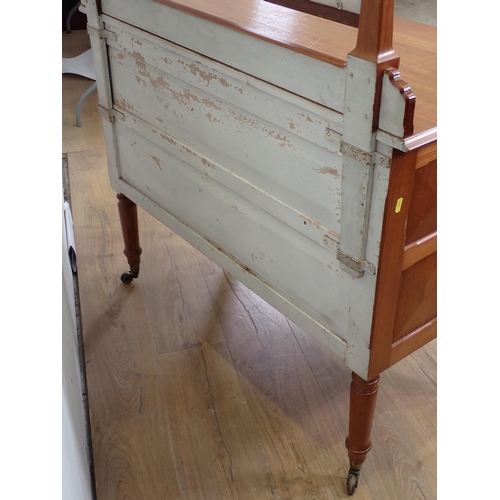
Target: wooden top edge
[215,16]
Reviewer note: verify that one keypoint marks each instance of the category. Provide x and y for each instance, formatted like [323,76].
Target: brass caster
[128,277]
[352,481]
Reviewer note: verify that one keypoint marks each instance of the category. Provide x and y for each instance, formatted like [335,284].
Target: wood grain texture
[281,390]
[375,33]
[178,305]
[426,154]
[234,401]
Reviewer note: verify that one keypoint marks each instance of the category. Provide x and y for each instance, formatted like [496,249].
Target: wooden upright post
[376,19]
[374,43]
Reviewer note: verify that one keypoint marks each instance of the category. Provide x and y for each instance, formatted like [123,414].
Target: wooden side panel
[417,304]
[422,217]
[272,250]
[249,174]
[405,313]
[416,316]
[391,260]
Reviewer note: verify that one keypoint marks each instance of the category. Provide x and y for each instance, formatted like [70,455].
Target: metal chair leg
[81,101]
[70,15]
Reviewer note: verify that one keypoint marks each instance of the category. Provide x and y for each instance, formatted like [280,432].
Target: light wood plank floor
[198,389]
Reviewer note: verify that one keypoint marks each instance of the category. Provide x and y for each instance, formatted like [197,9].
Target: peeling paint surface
[196,111]
[245,165]
[328,171]
[157,161]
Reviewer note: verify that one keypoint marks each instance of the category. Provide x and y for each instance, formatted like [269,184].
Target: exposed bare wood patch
[125,104]
[157,161]
[141,81]
[328,171]
[138,56]
[169,139]
[212,118]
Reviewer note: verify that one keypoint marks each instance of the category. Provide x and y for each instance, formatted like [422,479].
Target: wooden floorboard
[198,389]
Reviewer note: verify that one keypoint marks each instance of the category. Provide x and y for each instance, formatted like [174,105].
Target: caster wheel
[127,277]
[352,482]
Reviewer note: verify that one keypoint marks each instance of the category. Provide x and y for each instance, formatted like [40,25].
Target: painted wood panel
[289,161]
[320,82]
[271,249]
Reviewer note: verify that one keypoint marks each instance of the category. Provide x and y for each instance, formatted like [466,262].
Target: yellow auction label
[399,204]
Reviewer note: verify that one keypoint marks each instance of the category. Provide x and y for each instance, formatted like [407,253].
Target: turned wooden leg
[130,229]
[361,412]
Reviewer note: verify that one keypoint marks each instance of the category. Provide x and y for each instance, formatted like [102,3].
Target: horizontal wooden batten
[302,223]
[210,75]
[242,273]
[419,250]
[413,341]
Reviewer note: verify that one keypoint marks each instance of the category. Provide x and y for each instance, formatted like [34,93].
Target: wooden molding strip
[418,140]
[419,250]
[413,341]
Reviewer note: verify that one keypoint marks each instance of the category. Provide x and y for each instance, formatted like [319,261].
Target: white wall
[75,466]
